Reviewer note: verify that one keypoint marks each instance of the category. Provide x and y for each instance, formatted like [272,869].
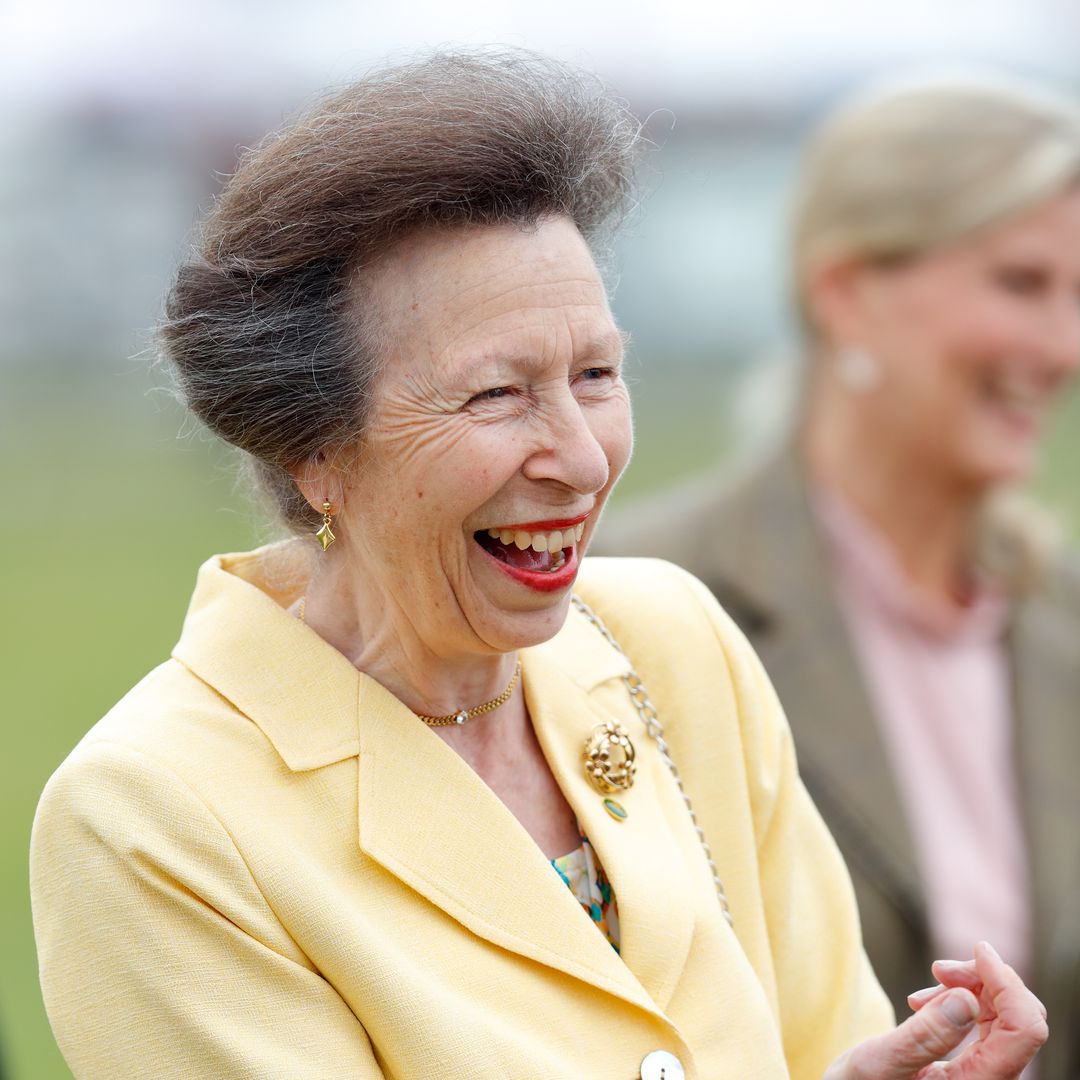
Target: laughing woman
[348,828]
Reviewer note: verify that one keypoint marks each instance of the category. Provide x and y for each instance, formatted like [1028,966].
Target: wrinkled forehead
[476,288]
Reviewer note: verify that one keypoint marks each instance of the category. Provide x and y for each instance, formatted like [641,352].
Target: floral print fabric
[584,876]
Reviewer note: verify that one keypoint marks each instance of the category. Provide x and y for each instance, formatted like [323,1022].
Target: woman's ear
[837,296]
[319,481]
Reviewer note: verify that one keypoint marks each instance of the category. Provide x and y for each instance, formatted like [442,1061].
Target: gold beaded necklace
[462,715]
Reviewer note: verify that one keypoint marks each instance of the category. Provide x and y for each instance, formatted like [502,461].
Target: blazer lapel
[650,879]
[427,818]
[1045,648]
[769,560]
[423,814]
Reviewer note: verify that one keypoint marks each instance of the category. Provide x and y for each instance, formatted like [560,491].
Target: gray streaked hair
[271,342]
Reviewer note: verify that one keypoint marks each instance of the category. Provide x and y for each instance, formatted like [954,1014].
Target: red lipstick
[546,526]
[541,580]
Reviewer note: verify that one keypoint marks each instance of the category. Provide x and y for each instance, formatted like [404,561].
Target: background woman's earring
[325,536]
[858,369]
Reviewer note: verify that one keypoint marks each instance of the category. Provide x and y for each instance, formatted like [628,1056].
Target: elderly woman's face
[975,342]
[499,426]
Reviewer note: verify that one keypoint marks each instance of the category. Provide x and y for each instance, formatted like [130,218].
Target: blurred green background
[120,120]
[112,508]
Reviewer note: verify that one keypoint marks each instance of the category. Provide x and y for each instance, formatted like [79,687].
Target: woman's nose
[569,451]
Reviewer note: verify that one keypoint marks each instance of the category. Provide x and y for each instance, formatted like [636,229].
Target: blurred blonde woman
[924,639]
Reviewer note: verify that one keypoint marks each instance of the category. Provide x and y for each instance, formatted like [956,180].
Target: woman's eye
[594,373]
[1021,280]
[490,395]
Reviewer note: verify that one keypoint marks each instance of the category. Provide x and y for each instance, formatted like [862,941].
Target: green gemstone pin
[615,809]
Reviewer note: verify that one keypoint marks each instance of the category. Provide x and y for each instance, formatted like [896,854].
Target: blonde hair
[915,165]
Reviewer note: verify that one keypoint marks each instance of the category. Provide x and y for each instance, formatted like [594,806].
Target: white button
[660,1065]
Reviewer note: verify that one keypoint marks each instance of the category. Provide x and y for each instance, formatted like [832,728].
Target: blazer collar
[429,819]
[759,537]
[763,546]
[423,814]
[767,553]
[238,638]
[1045,647]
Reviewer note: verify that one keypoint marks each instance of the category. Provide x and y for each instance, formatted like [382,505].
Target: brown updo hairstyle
[265,327]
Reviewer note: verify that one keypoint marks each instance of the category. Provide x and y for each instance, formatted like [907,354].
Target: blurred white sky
[120,117]
[53,49]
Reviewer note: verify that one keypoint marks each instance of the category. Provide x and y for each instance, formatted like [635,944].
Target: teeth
[556,541]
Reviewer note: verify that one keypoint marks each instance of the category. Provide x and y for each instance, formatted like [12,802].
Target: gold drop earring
[325,535]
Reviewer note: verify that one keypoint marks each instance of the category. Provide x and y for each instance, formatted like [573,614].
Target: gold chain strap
[647,711]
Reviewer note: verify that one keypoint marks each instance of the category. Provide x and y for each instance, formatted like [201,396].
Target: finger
[957,973]
[1012,1021]
[923,997]
[938,1071]
[963,973]
[935,1030]
[1017,1008]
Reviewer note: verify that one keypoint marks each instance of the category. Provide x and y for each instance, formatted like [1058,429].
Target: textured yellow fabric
[260,865]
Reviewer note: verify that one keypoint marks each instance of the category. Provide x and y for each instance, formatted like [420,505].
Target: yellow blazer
[259,864]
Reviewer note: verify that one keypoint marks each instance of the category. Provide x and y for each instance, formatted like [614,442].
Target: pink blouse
[938,678]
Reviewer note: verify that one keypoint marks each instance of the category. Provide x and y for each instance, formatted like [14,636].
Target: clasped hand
[985,992]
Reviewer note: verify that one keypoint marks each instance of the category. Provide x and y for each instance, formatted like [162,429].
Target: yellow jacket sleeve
[171,965]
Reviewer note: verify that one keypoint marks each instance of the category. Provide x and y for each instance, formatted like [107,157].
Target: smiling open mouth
[535,552]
